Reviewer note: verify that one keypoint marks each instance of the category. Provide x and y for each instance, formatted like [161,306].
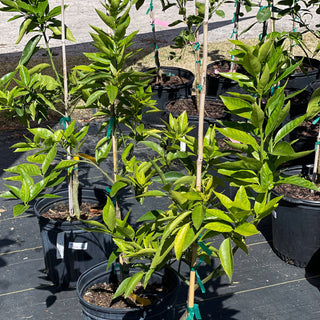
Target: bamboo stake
[66,99]
[200,148]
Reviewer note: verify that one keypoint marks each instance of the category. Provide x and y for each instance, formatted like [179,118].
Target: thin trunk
[72,179]
[156,49]
[235,31]
[200,150]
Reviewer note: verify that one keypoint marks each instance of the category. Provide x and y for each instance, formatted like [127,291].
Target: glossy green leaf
[198,214]
[180,239]
[109,215]
[19,209]
[29,49]
[219,227]
[246,229]
[226,257]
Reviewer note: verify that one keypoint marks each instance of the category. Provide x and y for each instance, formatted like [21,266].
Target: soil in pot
[162,291]
[101,294]
[213,109]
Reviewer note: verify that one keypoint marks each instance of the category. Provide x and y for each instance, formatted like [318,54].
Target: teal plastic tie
[196,46]
[198,61]
[195,269]
[316,120]
[199,87]
[194,312]
[317,144]
[110,126]
[205,248]
[233,33]
[150,7]
[64,121]
[114,200]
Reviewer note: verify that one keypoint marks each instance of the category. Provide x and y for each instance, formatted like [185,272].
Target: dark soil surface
[306,129]
[169,81]
[297,192]
[101,295]
[214,109]
[60,212]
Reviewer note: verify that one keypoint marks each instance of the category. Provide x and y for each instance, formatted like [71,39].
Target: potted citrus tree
[52,155]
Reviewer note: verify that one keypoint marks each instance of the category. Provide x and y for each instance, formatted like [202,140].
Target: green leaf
[135,279]
[287,128]
[263,14]
[226,257]
[112,92]
[154,146]
[238,106]
[218,214]
[313,105]
[116,187]
[109,215]
[219,227]
[240,136]
[198,213]
[23,29]
[29,49]
[180,240]
[246,229]
[252,64]
[150,216]
[153,193]
[122,288]
[19,209]
[49,158]
[65,164]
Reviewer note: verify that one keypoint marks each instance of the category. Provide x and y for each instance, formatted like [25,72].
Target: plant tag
[60,245]
[78,245]
[274,213]
[183,146]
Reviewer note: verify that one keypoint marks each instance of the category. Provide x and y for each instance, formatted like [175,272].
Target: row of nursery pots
[217,85]
[73,255]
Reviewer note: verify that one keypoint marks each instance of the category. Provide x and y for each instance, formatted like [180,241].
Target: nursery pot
[296,227]
[163,94]
[162,309]
[300,80]
[217,85]
[69,250]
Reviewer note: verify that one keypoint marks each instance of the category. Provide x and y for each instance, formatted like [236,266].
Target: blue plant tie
[203,246]
[110,126]
[315,121]
[64,121]
[150,7]
[199,87]
[195,269]
[198,61]
[196,46]
[317,144]
[233,33]
[171,74]
[194,312]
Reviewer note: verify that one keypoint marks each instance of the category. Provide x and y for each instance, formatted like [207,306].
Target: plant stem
[235,31]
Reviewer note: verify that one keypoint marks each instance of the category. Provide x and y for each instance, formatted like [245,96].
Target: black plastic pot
[163,309]
[300,80]
[163,94]
[218,85]
[296,228]
[69,250]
